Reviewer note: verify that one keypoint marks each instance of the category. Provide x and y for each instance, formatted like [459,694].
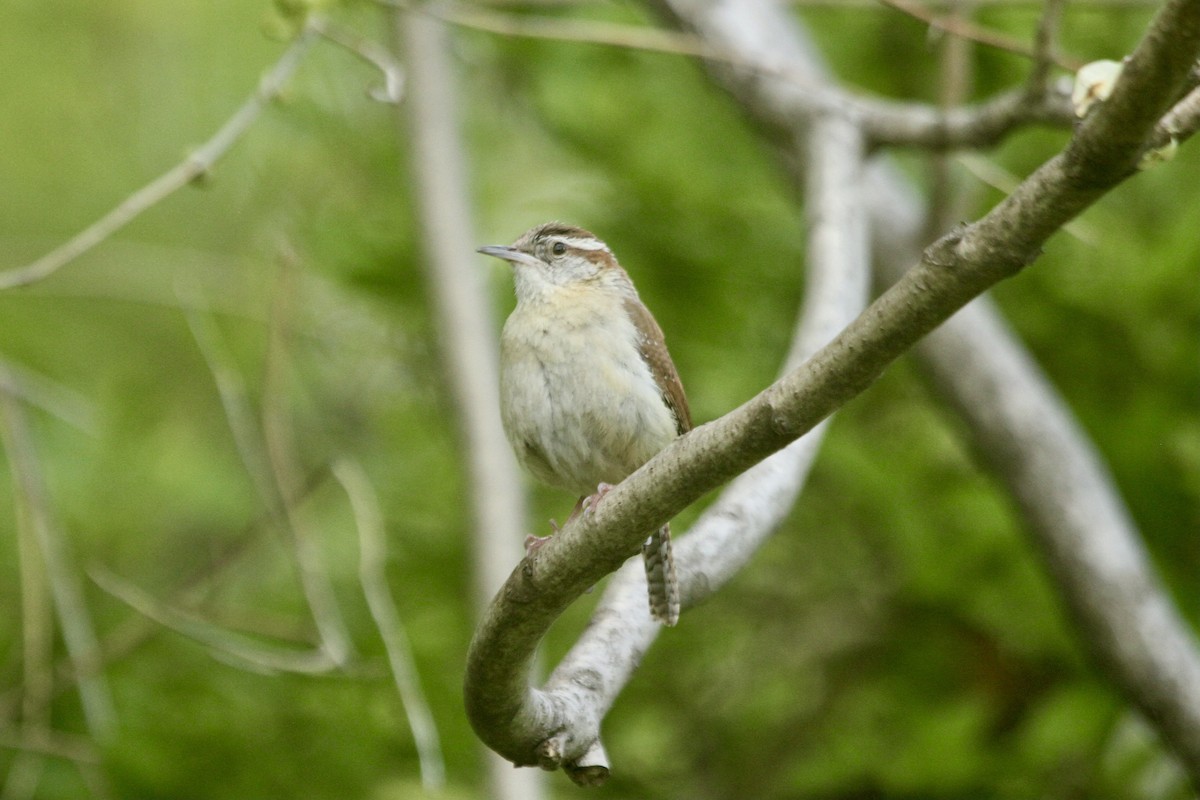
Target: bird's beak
[507,253]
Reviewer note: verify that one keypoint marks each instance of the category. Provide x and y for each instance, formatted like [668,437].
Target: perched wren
[588,392]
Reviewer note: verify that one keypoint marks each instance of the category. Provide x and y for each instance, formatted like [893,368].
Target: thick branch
[514,719]
[1099,564]
[1028,438]
[1025,434]
[973,126]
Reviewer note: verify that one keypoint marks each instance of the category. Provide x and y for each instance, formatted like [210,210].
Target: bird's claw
[534,543]
[591,501]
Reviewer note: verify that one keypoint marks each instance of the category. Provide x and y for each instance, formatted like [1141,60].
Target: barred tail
[660,576]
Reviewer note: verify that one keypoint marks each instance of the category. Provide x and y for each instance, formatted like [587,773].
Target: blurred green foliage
[898,638]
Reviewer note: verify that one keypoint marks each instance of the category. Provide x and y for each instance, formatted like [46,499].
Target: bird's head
[555,254]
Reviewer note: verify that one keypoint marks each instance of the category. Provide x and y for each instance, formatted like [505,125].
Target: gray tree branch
[1024,433]
[464,318]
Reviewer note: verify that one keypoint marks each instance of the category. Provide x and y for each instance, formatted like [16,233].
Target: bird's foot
[534,543]
[591,501]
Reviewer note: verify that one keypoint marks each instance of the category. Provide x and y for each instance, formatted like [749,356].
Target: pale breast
[578,403]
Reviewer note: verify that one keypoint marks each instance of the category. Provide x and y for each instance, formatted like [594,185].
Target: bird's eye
[558,248]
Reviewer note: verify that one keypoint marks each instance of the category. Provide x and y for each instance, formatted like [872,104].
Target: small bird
[588,391]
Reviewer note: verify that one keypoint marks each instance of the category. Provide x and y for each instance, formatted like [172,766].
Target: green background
[897,638]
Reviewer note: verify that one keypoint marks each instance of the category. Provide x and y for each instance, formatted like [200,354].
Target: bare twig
[74,618]
[1181,122]
[137,629]
[50,396]
[235,402]
[197,164]
[992,174]
[55,744]
[372,547]
[955,76]
[564,30]
[1044,44]
[37,649]
[957,26]
[274,489]
[369,51]
[286,476]
[886,122]
[229,646]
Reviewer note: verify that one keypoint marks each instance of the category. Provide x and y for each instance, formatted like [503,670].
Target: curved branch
[520,722]
[974,126]
[752,507]
[560,724]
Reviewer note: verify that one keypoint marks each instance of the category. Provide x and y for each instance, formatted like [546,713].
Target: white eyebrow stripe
[582,244]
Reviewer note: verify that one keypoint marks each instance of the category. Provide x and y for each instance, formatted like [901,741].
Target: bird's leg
[585,505]
[574,511]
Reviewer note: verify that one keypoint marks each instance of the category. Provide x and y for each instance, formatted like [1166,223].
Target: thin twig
[369,51]
[976,33]
[632,37]
[285,473]
[56,744]
[372,544]
[50,396]
[37,650]
[234,399]
[24,774]
[231,647]
[138,629]
[955,77]
[262,467]
[78,632]
[197,164]
[1044,45]
[988,172]
[1181,122]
